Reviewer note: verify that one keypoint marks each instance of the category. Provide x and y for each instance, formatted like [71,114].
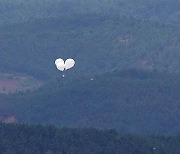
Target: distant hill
[22,139]
[99,44]
[165,11]
[130,101]
[11,82]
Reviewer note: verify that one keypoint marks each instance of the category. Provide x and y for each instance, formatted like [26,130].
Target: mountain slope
[97,43]
[166,11]
[129,101]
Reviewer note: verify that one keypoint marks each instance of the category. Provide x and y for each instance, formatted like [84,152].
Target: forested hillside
[129,101]
[97,43]
[126,77]
[166,11]
[20,139]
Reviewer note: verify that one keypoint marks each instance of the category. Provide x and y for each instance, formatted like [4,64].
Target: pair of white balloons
[61,65]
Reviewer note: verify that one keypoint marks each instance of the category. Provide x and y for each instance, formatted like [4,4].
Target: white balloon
[59,60]
[69,63]
[60,66]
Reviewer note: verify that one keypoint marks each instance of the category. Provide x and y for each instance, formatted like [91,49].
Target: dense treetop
[20,139]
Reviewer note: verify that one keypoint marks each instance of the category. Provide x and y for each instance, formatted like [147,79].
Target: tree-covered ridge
[20,139]
[166,11]
[129,101]
[98,43]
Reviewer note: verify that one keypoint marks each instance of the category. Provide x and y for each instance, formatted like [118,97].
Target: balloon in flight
[62,66]
[69,63]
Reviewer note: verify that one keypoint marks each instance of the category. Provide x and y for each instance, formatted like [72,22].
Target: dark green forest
[122,96]
[165,11]
[97,43]
[21,139]
[141,102]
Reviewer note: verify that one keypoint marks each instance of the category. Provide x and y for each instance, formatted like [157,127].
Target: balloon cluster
[62,66]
